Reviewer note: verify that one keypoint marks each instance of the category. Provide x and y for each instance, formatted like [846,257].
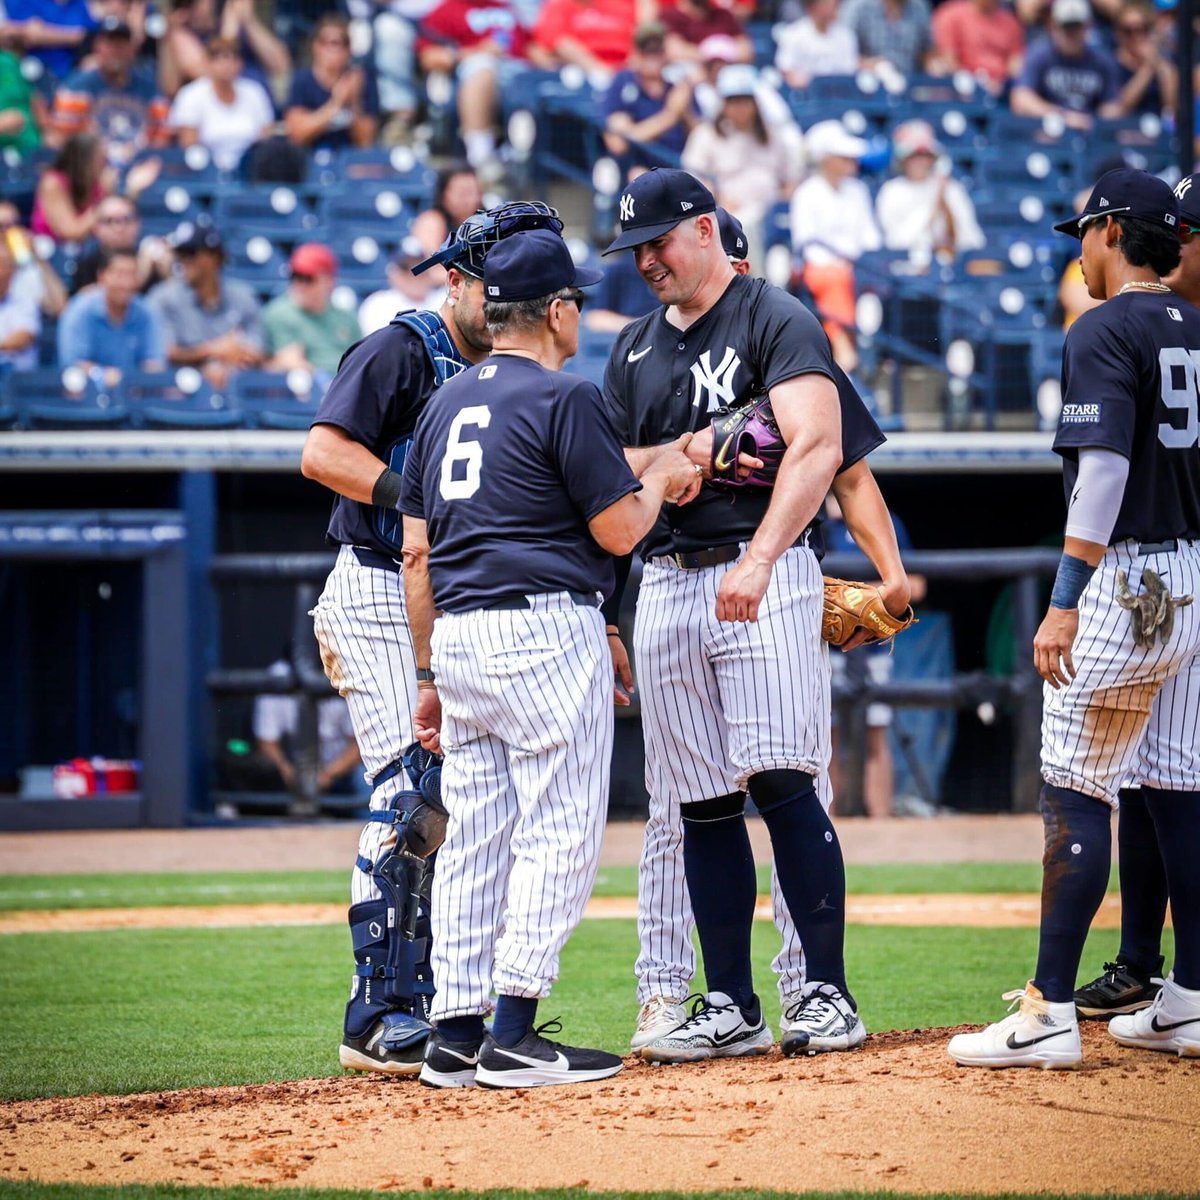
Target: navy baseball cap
[1130,192]
[1187,192]
[655,202]
[537,262]
[733,236]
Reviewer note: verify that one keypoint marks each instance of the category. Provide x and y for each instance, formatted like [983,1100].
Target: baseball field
[171,1011]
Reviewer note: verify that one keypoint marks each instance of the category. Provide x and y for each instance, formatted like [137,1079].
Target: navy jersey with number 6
[507,468]
[1131,384]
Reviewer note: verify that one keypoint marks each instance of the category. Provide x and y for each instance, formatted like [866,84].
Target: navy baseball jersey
[381,387]
[507,469]
[1131,383]
[662,381]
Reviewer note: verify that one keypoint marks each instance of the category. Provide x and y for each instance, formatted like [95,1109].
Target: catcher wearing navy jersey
[356,447]
[1119,647]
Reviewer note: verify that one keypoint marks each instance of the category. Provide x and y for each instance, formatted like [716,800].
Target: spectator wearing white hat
[815,45]
[833,225]
[923,210]
[1064,75]
[748,158]
[405,290]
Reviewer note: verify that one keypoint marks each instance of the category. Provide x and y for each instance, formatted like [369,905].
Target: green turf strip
[146,1010]
[38,892]
[168,1191]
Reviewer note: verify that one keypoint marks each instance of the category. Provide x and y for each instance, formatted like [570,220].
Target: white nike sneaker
[822,1020]
[790,1004]
[1038,1034]
[1172,1022]
[659,1015]
[717,1028]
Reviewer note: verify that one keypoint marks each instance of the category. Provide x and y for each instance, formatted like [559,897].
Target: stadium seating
[70,399]
[181,399]
[269,400]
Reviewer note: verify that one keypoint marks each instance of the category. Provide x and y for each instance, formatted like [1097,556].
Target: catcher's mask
[466,248]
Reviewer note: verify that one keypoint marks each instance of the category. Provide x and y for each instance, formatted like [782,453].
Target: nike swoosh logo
[721,463]
[559,1060]
[1013,1044]
[640,354]
[1177,1025]
[719,1039]
[470,1059]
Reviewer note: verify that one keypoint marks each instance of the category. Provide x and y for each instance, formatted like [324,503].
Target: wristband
[425,675]
[1072,578]
[386,492]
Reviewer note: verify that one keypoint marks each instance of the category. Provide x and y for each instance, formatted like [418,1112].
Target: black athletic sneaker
[450,1064]
[1121,989]
[535,1061]
[394,1045]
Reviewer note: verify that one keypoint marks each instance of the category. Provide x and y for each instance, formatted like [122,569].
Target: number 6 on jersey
[459,450]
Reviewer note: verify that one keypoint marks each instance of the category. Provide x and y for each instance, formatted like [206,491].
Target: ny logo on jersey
[717,383]
[626,208]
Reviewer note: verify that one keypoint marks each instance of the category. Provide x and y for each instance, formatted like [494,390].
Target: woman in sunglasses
[1149,81]
[333,104]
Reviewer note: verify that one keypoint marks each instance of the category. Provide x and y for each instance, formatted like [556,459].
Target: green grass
[169,1191]
[38,892]
[145,1010]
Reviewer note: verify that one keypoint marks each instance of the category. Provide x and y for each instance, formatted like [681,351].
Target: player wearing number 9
[1119,705]
[516,494]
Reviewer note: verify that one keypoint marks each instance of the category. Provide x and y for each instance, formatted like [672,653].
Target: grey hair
[520,315]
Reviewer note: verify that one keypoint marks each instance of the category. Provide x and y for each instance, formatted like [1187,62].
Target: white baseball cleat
[790,1004]
[658,1016]
[1171,1023]
[823,1019]
[1038,1034]
[717,1028]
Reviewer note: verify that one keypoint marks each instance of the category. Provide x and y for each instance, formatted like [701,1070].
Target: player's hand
[622,670]
[742,589]
[896,596]
[681,479]
[699,450]
[1052,646]
[427,719]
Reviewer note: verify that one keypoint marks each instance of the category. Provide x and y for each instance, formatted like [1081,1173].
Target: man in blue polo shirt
[110,326]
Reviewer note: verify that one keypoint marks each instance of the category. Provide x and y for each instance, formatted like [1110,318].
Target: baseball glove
[851,606]
[748,430]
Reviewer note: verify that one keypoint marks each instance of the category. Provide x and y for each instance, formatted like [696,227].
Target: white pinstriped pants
[527,729]
[361,624]
[720,701]
[1129,712]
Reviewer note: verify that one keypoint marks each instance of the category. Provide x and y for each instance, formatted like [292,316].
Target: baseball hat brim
[647,233]
[586,277]
[1071,226]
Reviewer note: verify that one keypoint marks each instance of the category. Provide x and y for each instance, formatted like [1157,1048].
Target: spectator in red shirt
[596,35]
[689,22]
[483,44]
[980,36]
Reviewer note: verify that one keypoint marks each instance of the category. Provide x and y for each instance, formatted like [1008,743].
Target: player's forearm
[870,524]
[333,458]
[418,589]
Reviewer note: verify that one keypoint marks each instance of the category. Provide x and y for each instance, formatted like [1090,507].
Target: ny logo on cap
[1183,186]
[626,208]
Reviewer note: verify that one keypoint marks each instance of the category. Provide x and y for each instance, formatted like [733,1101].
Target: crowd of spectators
[96,89]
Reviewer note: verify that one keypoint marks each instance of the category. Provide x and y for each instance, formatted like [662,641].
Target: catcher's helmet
[467,246]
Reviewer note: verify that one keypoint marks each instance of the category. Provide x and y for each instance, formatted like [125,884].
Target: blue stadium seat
[396,168]
[362,262]
[165,205]
[270,400]
[181,399]
[277,212]
[54,399]
[377,211]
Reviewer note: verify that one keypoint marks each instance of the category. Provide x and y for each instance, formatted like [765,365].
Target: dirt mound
[897,1115]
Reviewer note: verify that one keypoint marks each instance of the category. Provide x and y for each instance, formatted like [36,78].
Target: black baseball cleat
[393,1045]
[1121,989]
[536,1061]
[450,1064]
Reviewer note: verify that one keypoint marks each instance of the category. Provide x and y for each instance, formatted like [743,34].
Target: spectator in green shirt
[18,125]
[304,330]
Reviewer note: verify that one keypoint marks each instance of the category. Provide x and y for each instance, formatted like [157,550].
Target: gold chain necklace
[1149,287]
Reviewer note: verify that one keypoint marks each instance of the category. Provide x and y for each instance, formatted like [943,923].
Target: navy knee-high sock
[1143,885]
[812,874]
[1075,869]
[1177,819]
[719,866]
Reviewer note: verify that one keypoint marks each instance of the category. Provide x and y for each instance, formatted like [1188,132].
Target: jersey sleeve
[789,340]
[588,455]
[860,432]
[613,398]
[1099,388]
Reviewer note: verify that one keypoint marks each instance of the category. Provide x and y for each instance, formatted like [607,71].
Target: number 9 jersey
[1131,384]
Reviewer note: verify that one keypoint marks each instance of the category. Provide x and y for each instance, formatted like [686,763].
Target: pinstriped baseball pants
[361,624]
[527,729]
[720,701]
[1130,712]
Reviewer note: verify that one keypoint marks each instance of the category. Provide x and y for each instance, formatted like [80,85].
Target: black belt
[1167,547]
[514,603]
[711,557]
[373,558]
